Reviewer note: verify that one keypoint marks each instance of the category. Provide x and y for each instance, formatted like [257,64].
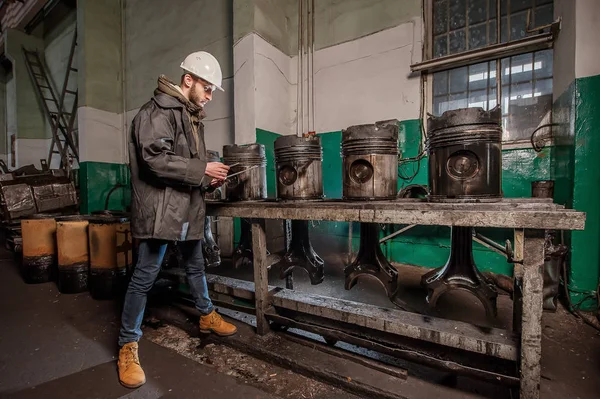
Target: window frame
[428,66]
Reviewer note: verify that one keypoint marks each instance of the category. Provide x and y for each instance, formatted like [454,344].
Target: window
[525,80]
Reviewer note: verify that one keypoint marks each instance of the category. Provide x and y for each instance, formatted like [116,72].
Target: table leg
[261,277]
[531,322]
[518,281]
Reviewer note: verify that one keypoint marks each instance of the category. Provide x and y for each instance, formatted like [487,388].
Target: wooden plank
[455,334]
[531,334]
[261,276]
[559,219]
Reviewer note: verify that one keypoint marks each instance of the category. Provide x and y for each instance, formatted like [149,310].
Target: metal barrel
[252,184]
[39,248]
[542,189]
[213,156]
[299,168]
[110,246]
[464,149]
[370,160]
[73,253]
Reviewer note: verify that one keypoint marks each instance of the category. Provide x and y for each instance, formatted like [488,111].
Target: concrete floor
[54,345]
[64,346]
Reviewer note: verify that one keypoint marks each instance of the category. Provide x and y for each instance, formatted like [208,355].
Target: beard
[195,97]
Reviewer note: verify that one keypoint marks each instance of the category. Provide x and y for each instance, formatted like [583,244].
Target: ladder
[64,137]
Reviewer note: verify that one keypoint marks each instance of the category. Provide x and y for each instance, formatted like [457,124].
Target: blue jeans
[151,254]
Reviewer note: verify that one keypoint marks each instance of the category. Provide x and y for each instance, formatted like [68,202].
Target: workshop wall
[577,144]
[363,78]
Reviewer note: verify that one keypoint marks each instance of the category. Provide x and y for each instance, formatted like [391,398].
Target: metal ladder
[64,140]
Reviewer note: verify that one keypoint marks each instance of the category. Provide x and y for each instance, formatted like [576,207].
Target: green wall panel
[585,252]
[96,179]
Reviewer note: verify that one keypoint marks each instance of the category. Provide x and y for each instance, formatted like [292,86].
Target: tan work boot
[215,323]
[131,374]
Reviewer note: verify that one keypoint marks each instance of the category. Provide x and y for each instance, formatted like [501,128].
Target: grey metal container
[370,161]
[298,166]
[465,156]
[250,185]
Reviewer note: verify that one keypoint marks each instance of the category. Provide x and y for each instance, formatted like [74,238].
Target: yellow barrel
[39,248]
[110,255]
[73,254]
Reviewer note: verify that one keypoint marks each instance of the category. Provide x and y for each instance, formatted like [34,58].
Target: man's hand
[216,183]
[216,170]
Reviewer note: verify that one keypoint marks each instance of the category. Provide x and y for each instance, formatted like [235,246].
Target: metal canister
[542,189]
[465,155]
[370,159]
[39,248]
[213,156]
[298,165]
[110,255]
[73,253]
[251,184]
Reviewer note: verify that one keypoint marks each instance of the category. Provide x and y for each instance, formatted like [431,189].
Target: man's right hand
[216,170]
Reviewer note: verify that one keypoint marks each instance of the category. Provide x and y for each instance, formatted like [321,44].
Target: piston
[465,156]
[370,159]
[39,248]
[248,163]
[73,253]
[298,165]
[110,247]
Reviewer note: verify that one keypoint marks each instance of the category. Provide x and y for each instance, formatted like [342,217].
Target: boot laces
[131,356]
[216,318]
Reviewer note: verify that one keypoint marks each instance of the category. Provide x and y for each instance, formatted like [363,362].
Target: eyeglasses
[208,88]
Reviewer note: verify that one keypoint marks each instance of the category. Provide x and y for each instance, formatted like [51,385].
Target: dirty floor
[64,346]
[54,345]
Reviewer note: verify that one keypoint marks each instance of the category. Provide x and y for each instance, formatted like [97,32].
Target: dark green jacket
[167,172]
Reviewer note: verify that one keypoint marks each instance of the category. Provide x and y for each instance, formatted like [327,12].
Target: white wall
[356,82]
[158,36]
[588,47]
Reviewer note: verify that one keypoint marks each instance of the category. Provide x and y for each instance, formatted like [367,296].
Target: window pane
[492,27]
[479,76]
[544,15]
[440,46]
[458,41]
[543,64]
[440,83]
[458,80]
[519,5]
[492,7]
[478,36]
[543,87]
[458,101]
[440,17]
[518,26]
[477,11]
[440,105]
[458,13]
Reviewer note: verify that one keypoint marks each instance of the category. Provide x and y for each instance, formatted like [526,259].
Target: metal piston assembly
[249,185]
[370,161]
[298,163]
[465,165]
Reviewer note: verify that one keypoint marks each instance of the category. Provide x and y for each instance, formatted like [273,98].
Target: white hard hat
[205,66]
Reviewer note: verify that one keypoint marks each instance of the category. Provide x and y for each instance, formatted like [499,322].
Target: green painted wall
[96,179]
[577,176]
[427,246]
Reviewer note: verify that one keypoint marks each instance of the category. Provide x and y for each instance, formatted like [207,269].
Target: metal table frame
[528,217]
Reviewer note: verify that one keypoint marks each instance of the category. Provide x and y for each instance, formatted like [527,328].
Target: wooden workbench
[528,217]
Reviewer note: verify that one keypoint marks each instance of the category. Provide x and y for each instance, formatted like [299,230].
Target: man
[169,175]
